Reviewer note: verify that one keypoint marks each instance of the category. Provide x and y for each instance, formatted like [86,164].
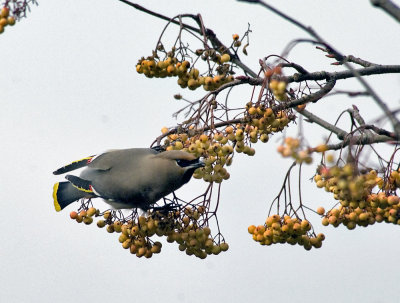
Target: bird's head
[184,160]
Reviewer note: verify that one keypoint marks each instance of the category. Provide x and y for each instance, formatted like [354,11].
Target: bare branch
[350,94]
[367,71]
[381,131]
[363,139]
[323,75]
[314,97]
[297,67]
[389,7]
[358,61]
[340,133]
[342,59]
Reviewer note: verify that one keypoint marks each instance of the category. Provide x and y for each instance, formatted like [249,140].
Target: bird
[126,178]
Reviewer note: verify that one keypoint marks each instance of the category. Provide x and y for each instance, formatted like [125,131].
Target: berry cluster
[217,147]
[192,238]
[85,215]
[278,89]
[285,229]
[292,148]
[217,153]
[263,121]
[181,227]
[187,76]
[377,208]
[392,182]
[5,18]
[346,183]
[358,205]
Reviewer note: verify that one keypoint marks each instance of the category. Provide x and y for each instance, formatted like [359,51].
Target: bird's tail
[64,193]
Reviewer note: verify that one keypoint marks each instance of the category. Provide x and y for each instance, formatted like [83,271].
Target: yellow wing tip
[56,204]
[82,189]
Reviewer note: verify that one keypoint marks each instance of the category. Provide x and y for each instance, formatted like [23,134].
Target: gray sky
[69,89]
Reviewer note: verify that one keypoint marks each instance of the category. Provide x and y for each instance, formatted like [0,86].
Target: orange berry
[252,111]
[277,70]
[268,73]
[229,130]
[208,80]
[4,12]
[320,210]
[3,22]
[203,138]
[217,79]
[393,200]
[332,220]
[251,229]
[301,107]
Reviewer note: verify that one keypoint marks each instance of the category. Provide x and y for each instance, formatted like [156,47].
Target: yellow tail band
[56,204]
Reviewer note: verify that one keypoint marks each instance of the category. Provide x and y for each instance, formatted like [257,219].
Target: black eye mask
[185,163]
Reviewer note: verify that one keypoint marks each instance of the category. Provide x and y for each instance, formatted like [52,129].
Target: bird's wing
[131,174]
[80,184]
[119,158]
[74,165]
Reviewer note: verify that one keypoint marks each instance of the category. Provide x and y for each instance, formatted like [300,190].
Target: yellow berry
[91,211]
[281,87]
[224,246]
[321,148]
[225,58]
[325,221]
[101,223]
[273,85]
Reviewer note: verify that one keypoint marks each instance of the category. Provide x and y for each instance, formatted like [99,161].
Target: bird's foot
[166,208]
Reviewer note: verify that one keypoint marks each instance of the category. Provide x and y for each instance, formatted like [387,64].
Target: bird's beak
[198,164]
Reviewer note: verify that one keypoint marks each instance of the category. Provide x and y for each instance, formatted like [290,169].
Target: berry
[320,210]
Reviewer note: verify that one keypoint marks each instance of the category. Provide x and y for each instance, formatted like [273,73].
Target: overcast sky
[69,89]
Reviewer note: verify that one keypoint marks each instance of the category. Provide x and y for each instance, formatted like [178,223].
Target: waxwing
[126,178]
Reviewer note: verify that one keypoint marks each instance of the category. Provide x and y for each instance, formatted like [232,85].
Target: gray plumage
[126,178]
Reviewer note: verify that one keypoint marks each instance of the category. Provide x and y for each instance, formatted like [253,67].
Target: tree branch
[310,31]
[367,71]
[314,97]
[363,139]
[340,133]
[389,7]
[323,75]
